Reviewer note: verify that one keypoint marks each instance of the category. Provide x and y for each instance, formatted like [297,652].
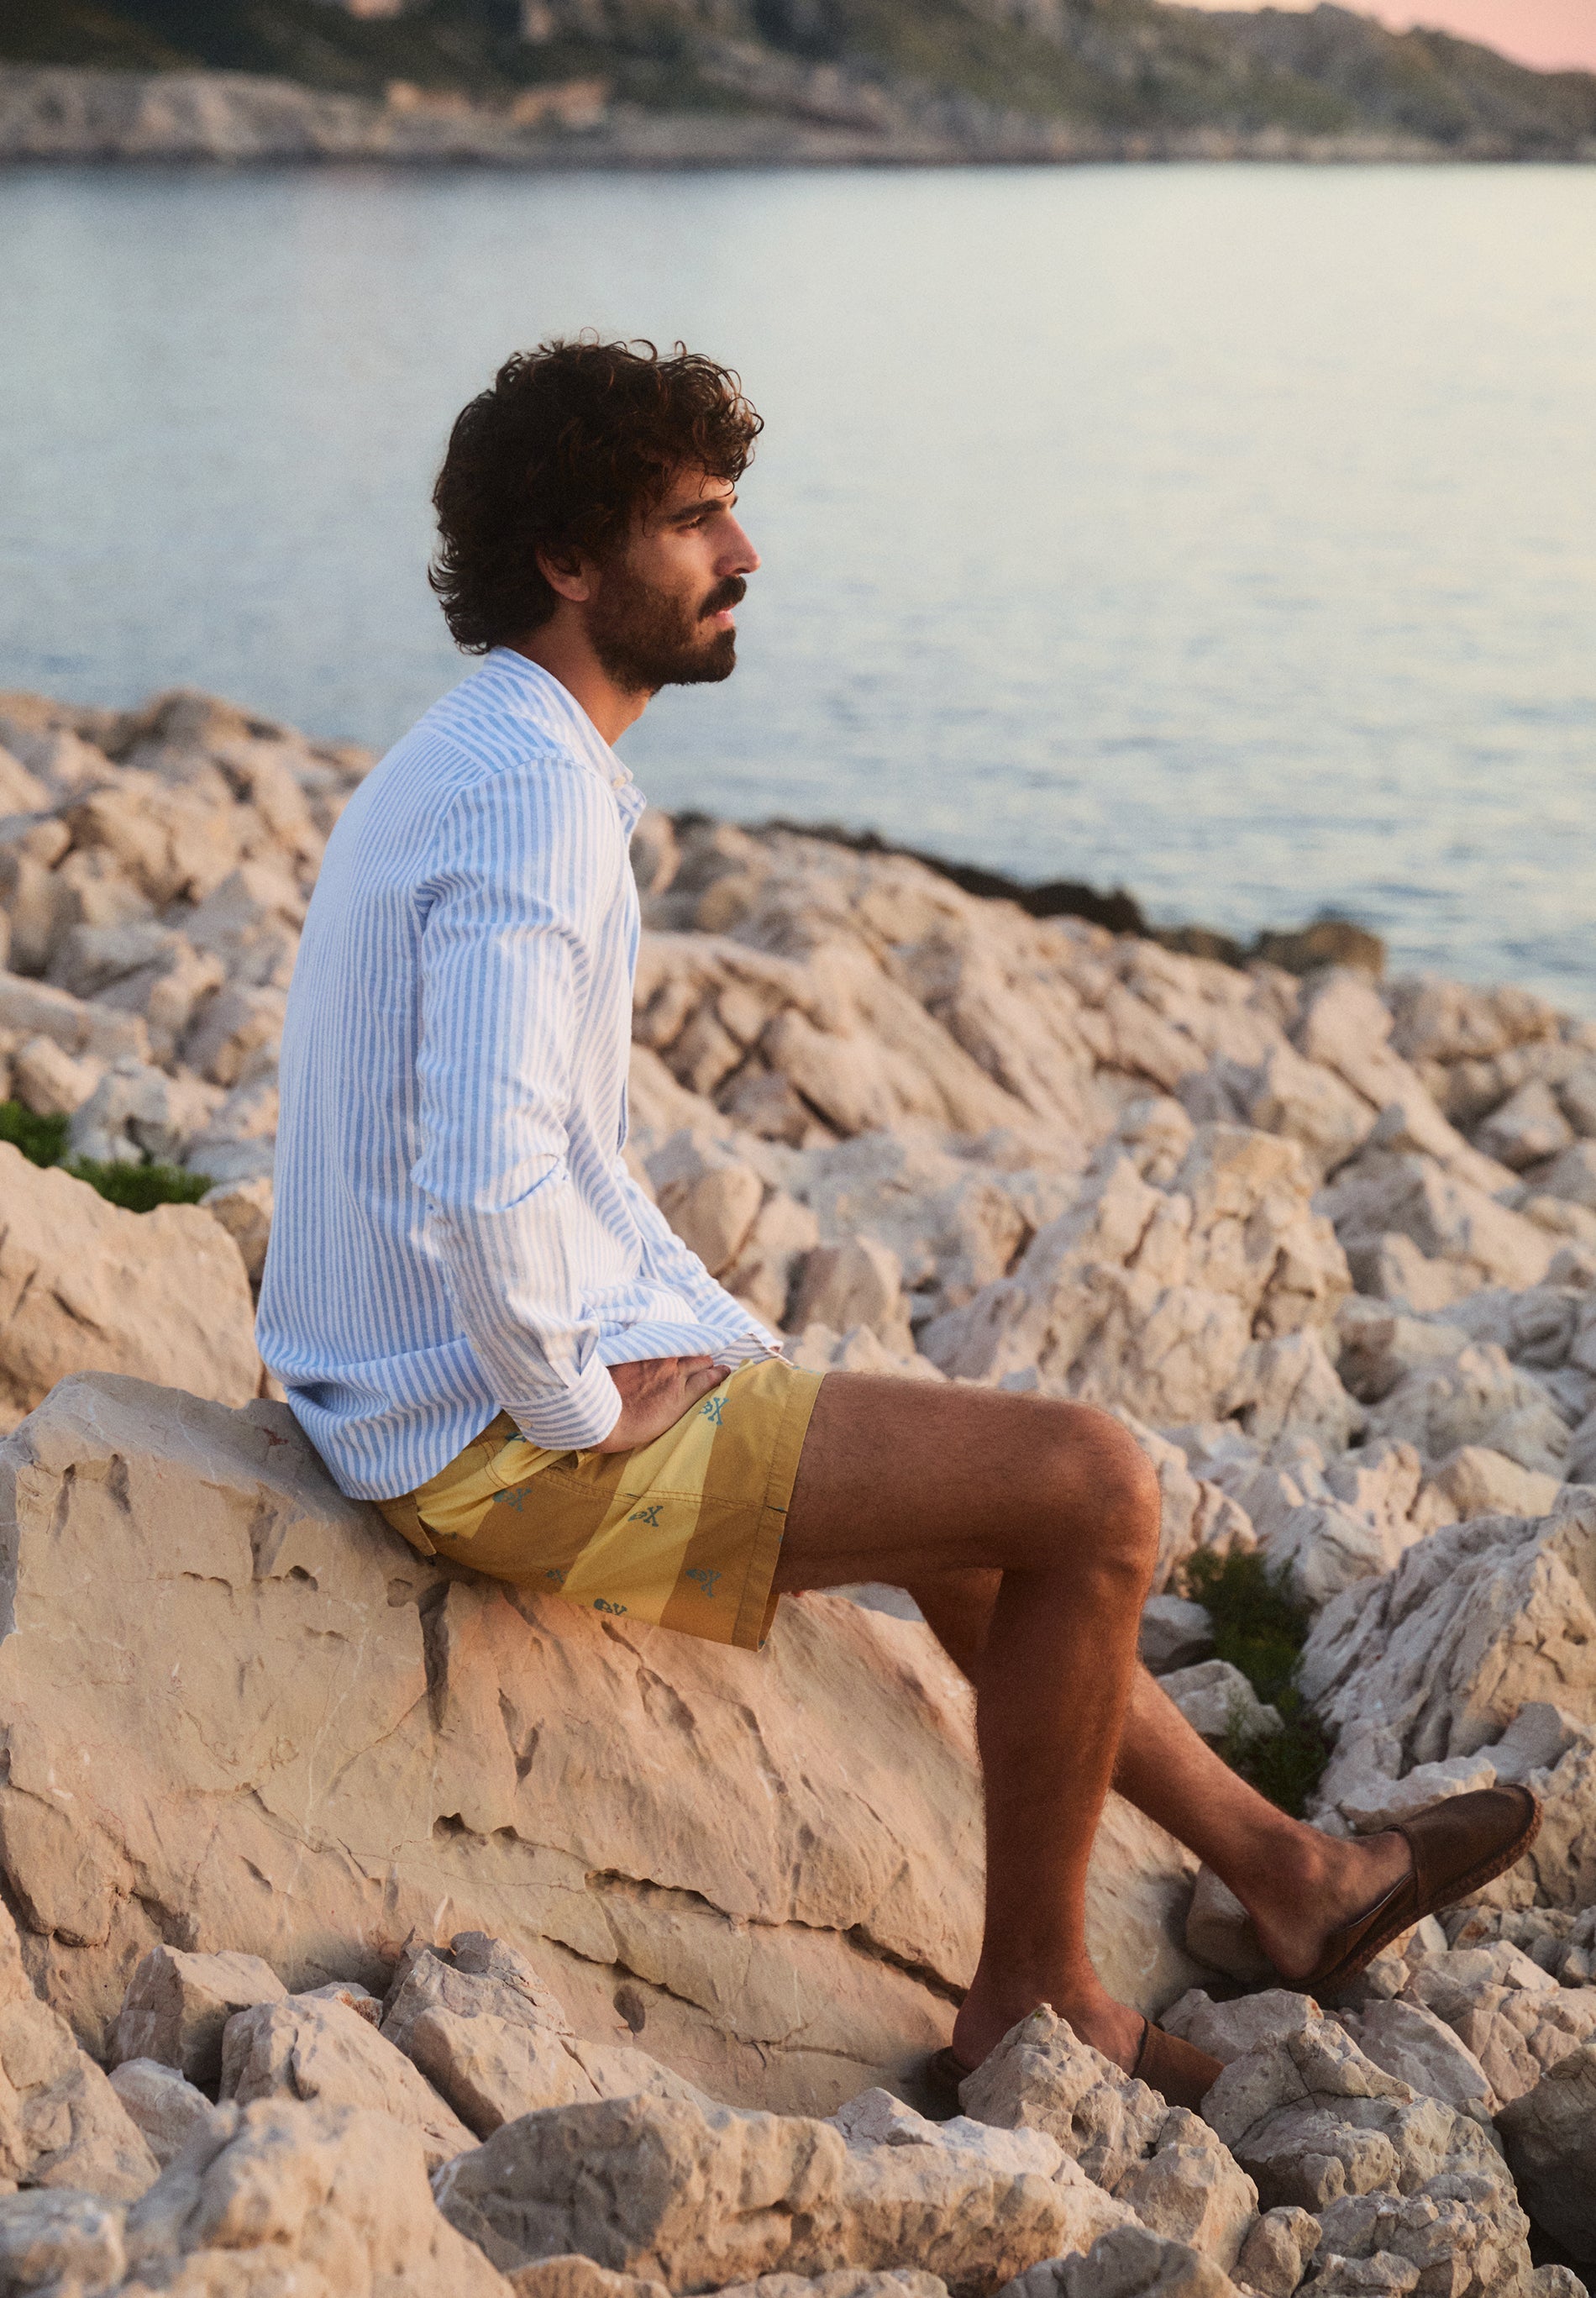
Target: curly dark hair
[559,454]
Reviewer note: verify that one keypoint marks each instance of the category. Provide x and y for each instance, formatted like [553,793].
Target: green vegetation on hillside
[1261,1627]
[1122,64]
[137,1188]
[470,44]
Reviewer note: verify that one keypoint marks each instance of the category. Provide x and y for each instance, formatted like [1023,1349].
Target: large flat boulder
[240,1714]
[85,1287]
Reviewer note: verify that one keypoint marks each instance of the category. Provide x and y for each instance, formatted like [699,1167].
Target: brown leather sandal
[940,2078]
[1176,2071]
[1458,1847]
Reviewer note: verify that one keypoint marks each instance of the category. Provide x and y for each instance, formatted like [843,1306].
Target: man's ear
[569,576]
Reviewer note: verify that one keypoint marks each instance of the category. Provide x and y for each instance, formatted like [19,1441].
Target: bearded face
[647,636]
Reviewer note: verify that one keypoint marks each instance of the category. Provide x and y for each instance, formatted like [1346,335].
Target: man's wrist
[573,1419]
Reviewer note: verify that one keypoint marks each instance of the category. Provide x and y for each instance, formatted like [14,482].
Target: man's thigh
[901,1478]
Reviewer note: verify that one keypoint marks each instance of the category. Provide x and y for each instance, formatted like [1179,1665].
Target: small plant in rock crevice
[42,1140]
[1260,1626]
[140,1188]
[137,1188]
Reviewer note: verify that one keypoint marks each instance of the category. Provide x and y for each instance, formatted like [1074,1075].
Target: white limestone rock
[749,1967]
[90,1031]
[859,1283]
[817,1349]
[311,2049]
[177,2005]
[1310,2118]
[61,2122]
[1193,1514]
[1041,2077]
[876,2118]
[245,1210]
[1228,2030]
[1472,1626]
[1379,1346]
[1191,2190]
[494,2044]
[1276,2253]
[1412,2043]
[1174,1633]
[1164,2162]
[1527,1127]
[842,2282]
[1477,1481]
[1134,2262]
[1378,1803]
[53,2239]
[1459,2232]
[136,1112]
[1477,1397]
[284,2195]
[162,2103]
[709,1197]
[1444,1217]
[1220,1934]
[1574,1176]
[1510,2013]
[1550,2133]
[699,2197]
[1218,1703]
[1287,1389]
[1151,1299]
[49,1081]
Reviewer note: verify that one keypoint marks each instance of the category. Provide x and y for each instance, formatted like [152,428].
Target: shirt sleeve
[676,1267]
[519,861]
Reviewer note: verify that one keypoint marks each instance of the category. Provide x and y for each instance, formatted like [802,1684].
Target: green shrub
[43,1140]
[1260,1626]
[137,1188]
[140,1188]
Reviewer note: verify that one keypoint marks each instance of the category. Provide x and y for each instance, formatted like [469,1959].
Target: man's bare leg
[898,1482]
[1296,1884]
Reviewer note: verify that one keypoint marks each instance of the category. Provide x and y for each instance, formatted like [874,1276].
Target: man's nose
[739,556]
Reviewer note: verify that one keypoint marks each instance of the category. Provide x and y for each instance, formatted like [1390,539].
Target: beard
[645,637]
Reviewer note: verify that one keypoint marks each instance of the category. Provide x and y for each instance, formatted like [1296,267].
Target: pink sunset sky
[1551,34]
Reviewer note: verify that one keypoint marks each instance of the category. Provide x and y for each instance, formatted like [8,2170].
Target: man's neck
[561,646]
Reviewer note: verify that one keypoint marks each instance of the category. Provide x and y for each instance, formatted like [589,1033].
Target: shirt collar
[557,701]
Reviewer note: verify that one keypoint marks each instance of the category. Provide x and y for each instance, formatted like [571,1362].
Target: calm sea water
[1224,532]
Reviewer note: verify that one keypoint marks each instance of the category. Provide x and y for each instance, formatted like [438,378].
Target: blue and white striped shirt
[455,1233]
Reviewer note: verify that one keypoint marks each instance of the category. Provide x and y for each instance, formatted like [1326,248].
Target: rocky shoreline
[65,114]
[366,1927]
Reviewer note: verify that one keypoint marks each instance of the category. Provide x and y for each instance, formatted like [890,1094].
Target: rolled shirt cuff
[572,1419]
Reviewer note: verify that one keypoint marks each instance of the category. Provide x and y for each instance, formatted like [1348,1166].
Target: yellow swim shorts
[683,1533]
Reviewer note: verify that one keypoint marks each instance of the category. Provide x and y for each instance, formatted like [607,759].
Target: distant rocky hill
[662,79]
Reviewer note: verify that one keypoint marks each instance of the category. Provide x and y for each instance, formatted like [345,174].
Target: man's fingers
[700,1384]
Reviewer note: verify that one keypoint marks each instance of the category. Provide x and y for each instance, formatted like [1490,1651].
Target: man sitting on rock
[486,1327]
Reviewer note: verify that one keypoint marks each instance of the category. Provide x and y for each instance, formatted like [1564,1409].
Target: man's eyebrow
[696,509]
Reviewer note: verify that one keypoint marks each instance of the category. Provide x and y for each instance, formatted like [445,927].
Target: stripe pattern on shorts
[682,1534]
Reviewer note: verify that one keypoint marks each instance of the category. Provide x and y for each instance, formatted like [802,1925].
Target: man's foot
[1361,1894]
[1332,1882]
[1113,2028]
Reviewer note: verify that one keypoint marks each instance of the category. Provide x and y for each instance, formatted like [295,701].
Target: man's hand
[655,1394]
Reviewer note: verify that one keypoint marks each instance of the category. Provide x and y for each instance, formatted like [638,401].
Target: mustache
[730,593]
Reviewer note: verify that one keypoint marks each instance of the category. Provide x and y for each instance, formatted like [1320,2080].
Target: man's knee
[1109,1492]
